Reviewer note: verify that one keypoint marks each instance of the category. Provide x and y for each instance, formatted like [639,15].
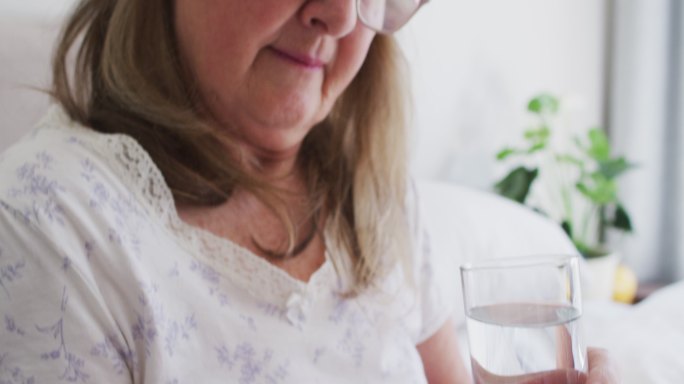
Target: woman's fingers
[565,358]
[602,369]
[559,376]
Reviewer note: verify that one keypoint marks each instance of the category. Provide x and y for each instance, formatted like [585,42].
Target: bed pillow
[466,225]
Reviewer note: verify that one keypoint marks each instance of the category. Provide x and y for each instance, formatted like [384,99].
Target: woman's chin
[274,153]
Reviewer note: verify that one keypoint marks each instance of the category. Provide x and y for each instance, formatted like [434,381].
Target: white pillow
[466,225]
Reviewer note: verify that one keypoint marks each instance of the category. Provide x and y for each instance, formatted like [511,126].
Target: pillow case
[467,225]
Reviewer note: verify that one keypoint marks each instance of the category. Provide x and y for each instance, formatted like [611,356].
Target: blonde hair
[128,78]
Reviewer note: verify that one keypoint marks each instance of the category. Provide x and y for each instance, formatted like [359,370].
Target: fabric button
[296,309]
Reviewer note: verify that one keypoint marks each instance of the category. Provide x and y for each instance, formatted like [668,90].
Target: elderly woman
[220,195]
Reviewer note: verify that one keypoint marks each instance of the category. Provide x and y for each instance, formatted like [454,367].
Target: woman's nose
[334,17]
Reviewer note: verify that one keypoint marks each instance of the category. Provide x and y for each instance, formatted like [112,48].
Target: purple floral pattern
[357,331]
[318,353]
[272,311]
[174,271]
[74,365]
[152,322]
[10,272]
[177,331]
[36,184]
[127,216]
[213,281]
[122,358]
[89,249]
[12,327]
[13,375]
[253,366]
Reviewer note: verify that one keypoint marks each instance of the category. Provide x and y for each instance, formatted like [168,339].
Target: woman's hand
[443,364]
[601,371]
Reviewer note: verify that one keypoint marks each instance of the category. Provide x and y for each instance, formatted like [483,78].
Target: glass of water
[523,320]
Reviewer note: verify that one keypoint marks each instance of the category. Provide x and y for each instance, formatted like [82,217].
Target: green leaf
[536,135]
[543,104]
[589,251]
[567,227]
[601,192]
[613,168]
[504,153]
[622,220]
[579,144]
[581,247]
[516,185]
[599,147]
[569,159]
[536,148]
[584,190]
[593,252]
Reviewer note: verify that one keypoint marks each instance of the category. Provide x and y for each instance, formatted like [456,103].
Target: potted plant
[578,174]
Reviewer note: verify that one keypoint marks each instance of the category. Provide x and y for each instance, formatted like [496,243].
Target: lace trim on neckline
[243,268]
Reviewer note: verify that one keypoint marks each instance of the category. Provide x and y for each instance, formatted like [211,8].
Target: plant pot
[600,273]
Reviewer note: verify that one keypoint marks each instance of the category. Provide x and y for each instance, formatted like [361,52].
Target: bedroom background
[474,65]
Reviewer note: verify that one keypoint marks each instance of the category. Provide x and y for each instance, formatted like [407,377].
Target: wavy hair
[127,77]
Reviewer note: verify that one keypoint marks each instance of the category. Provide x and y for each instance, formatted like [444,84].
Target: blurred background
[474,65]
[616,64]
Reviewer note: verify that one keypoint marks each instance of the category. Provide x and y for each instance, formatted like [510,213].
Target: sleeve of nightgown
[53,324]
[435,280]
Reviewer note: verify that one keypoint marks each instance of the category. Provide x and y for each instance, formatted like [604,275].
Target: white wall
[679,208]
[640,127]
[45,8]
[476,63]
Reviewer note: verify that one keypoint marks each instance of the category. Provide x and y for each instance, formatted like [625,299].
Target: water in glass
[514,342]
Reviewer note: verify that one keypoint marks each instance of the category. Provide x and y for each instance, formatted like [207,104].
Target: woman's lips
[303,60]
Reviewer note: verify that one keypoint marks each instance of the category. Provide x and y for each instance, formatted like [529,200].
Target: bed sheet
[646,340]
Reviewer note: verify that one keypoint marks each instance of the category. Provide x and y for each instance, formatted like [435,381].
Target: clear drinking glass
[523,320]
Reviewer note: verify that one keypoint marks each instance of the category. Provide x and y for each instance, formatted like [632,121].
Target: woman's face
[268,70]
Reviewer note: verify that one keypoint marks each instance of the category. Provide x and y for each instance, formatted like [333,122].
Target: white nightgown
[101,282]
